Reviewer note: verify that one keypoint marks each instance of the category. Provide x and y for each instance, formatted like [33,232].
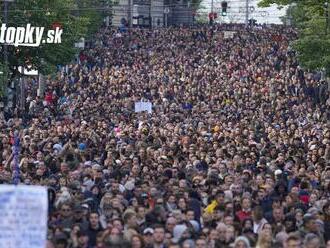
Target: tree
[3,78]
[49,14]
[313,44]
[196,4]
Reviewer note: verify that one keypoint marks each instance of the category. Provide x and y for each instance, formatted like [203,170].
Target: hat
[148,230]
[78,208]
[278,172]
[307,218]
[82,146]
[247,171]
[88,163]
[129,185]
[57,147]
[313,211]
[84,206]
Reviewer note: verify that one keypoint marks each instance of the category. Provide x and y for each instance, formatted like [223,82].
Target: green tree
[3,78]
[313,44]
[76,23]
[196,4]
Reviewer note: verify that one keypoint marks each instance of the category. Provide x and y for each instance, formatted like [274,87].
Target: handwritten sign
[143,106]
[23,214]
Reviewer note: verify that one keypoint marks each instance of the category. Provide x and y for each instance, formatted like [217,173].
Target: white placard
[228,34]
[23,214]
[143,106]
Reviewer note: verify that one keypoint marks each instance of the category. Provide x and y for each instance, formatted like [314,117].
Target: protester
[235,152]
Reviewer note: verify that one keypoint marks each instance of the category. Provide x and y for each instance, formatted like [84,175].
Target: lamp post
[246,13]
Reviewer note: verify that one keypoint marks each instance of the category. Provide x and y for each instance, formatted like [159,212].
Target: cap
[79,208]
[307,218]
[148,230]
[82,146]
[85,206]
[278,172]
[313,211]
[57,147]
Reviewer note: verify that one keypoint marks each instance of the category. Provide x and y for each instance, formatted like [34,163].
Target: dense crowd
[235,152]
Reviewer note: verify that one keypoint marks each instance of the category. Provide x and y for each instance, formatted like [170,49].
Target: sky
[236,11]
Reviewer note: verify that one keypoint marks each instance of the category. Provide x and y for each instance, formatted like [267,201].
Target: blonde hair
[263,240]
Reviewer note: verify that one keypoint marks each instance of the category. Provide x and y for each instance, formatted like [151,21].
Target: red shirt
[242,215]
[49,97]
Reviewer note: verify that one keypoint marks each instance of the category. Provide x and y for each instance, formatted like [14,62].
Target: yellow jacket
[210,208]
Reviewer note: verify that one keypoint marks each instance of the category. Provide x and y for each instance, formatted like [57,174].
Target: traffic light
[224,6]
[252,22]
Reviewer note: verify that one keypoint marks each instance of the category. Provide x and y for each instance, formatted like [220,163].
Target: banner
[23,214]
[143,106]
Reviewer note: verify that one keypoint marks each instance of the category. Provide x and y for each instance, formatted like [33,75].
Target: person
[310,226]
[258,219]
[218,201]
[137,241]
[154,126]
[245,212]
[158,237]
[293,241]
[201,243]
[241,242]
[82,240]
[312,241]
[93,229]
[264,238]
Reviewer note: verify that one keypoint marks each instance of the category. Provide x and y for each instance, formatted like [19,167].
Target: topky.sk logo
[29,35]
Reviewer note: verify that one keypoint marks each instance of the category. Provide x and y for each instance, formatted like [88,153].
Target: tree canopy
[76,18]
[313,44]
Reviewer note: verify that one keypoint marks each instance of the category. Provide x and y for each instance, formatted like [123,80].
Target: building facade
[152,13]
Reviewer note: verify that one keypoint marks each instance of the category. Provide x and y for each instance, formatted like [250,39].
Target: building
[236,11]
[152,13]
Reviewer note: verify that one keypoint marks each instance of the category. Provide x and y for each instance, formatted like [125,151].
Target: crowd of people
[236,151]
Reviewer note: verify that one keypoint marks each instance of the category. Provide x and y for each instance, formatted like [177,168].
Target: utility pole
[130,14]
[246,13]
[212,6]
